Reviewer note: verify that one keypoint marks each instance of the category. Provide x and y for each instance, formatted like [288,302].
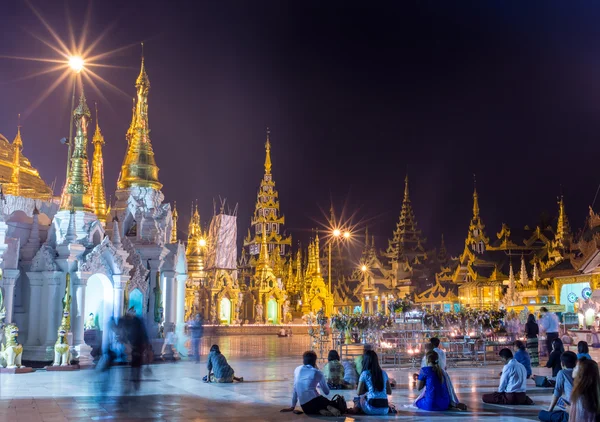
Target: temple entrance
[99,311]
[272,311]
[571,293]
[136,299]
[225,311]
[248,304]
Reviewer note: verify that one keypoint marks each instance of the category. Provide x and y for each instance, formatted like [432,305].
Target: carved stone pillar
[9,279]
[78,285]
[53,298]
[119,285]
[169,305]
[180,302]
[36,281]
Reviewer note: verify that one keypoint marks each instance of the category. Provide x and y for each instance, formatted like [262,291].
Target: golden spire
[175,216]
[268,153]
[78,189]
[406,198]
[562,227]
[139,166]
[66,317]
[317,254]
[475,200]
[16,165]
[98,194]
[131,129]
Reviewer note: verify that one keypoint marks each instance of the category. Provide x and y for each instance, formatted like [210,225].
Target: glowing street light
[347,234]
[202,242]
[364,268]
[76,63]
[336,233]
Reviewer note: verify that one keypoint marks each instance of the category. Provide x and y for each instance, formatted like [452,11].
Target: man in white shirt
[513,383]
[549,324]
[306,380]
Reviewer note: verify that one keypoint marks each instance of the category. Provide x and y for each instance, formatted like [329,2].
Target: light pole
[76,64]
[336,234]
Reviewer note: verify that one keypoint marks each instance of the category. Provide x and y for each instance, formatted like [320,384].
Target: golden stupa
[17,175]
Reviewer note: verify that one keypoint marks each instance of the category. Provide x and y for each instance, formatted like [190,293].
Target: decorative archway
[136,301]
[249,307]
[99,307]
[272,311]
[225,311]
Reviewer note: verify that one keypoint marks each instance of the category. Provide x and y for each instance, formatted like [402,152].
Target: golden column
[98,194]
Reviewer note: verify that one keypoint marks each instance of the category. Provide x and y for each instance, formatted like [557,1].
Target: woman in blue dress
[432,378]
[373,386]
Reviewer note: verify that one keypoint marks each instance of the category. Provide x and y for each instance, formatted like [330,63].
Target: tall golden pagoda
[563,230]
[99,196]
[139,167]
[476,238]
[406,244]
[78,192]
[266,215]
[17,176]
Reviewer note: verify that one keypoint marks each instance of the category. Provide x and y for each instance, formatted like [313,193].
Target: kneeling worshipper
[513,383]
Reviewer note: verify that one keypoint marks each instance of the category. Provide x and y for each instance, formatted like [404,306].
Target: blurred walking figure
[138,340]
[170,342]
[196,330]
[108,355]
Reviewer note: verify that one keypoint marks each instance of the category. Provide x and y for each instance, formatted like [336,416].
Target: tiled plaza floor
[175,392]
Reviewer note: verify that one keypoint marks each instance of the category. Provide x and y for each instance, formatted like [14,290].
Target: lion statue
[62,355]
[11,351]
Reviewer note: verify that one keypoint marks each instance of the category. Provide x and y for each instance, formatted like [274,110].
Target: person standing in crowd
[513,383]
[170,342]
[532,330]
[137,336]
[334,371]
[550,325]
[218,369]
[562,389]
[441,354]
[583,350]
[558,349]
[306,380]
[196,327]
[431,377]
[585,397]
[373,387]
[522,357]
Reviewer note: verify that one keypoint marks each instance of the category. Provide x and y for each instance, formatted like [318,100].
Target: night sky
[355,97]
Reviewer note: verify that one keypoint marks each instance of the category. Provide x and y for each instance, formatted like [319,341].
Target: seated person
[334,371]
[513,383]
[350,374]
[563,388]
[218,368]
[373,386]
[583,350]
[522,356]
[431,378]
[435,342]
[306,380]
[554,359]
[585,396]
[358,360]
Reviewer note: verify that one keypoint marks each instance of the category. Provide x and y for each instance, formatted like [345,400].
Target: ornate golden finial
[175,217]
[406,197]
[475,198]
[317,253]
[66,317]
[139,167]
[263,257]
[78,189]
[15,182]
[268,153]
[98,193]
[562,227]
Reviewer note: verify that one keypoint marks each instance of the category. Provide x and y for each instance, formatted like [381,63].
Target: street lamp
[76,63]
[336,234]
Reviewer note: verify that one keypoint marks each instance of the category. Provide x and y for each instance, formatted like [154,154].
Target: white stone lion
[11,352]
[62,354]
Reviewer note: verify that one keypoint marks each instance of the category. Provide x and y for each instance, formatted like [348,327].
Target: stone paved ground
[175,392]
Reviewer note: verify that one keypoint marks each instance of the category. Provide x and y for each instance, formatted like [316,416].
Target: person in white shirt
[306,380]
[170,342]
[549,324]
[435,342]
[513,383]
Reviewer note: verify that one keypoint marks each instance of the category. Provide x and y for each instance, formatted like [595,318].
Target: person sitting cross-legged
[432,378]
[583,350]
[306,380]
[334,371]
[562,389]
[513,383]
[373,387]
